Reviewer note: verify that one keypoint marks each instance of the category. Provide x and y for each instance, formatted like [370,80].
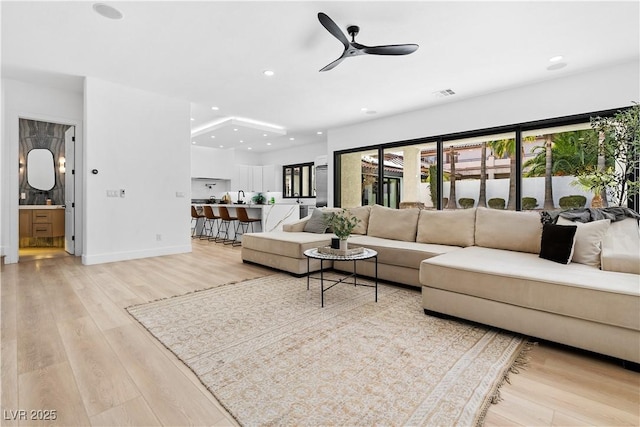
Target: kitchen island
[272,217]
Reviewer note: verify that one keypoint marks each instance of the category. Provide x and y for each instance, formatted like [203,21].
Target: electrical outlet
[179,194]
[158,237]
[112,193]
[122,193]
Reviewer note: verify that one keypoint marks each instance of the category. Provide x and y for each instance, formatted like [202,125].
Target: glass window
[406,177]
[299,181]
[553,157]
[480,171]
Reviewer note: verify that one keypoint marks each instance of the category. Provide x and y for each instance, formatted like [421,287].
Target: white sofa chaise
[484,265]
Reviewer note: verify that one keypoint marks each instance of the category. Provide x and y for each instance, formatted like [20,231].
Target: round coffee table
[365,254]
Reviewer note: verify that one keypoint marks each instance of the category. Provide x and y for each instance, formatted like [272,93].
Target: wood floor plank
[52,388]
[102,381]
[158,380]
[134,412]
[64,329]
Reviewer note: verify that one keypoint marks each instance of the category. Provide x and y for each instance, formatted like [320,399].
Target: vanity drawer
[41,216]
[42,230]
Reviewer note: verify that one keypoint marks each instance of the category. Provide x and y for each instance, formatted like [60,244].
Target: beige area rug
[272,356]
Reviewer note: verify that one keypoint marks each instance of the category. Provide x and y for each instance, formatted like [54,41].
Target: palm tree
[482,197]
[507,147]
[548,183]
[452,180]
[566,153]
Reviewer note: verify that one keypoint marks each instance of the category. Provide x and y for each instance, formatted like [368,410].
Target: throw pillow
[557,242]
[362,213]
[588,240]
[316,223]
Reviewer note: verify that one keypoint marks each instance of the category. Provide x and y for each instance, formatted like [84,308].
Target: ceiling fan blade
[333,64]
[333,28]
[396,49]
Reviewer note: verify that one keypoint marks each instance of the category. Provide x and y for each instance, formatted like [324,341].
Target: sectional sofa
[484,265]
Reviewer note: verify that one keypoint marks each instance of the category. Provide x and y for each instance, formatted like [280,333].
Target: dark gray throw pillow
[557,242]
[316,223]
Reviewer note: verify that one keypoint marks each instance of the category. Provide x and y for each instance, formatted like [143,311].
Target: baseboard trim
[126,256]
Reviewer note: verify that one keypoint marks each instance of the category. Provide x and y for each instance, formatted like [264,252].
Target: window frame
[310,181]
[517,128]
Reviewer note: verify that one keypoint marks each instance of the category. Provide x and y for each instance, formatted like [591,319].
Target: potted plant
[595,183]
[620,145]
[342,223]
[259,199]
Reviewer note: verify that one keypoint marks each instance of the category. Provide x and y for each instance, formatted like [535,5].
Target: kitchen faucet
[298,199]
[241,191]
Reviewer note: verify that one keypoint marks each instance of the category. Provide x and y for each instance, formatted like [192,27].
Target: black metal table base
[335,282]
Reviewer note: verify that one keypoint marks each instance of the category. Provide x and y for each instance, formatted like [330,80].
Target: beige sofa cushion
[362,213]
[400,253]
[448,227]
[396,224]
[525,280]
[621,247]
[290,244]
[511,230]
[588,240]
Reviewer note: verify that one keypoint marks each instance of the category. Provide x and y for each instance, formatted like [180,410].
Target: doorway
[46,188]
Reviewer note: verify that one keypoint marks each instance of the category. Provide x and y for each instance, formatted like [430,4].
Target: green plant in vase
[259,199]
[342,223]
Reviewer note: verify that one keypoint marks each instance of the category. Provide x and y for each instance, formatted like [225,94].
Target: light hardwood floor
[68,345]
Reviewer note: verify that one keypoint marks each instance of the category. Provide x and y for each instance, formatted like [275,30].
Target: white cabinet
[257,179]
[270,181]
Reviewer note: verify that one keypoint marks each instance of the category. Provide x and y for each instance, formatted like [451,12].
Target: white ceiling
[214,54]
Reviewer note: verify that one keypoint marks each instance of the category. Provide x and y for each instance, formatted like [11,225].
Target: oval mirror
[40,169]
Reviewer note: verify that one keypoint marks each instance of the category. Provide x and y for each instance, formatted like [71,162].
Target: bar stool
[210,219]
[243,223]
[225,220]
[195,216]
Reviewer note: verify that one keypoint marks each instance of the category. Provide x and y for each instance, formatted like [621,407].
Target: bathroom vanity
[41,226]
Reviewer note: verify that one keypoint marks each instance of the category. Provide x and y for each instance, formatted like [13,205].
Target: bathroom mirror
[40,169]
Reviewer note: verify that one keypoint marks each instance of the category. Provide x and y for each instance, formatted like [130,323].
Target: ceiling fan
[351,48]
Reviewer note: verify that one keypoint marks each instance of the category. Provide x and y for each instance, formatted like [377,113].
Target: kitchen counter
[41,206]
[272,217]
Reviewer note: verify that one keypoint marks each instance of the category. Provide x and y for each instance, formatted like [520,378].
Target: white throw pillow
[589,237]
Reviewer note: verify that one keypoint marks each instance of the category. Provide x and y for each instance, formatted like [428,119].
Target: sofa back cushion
[395,224]
[363,214]
[621,247]
[510,230]
[450,227]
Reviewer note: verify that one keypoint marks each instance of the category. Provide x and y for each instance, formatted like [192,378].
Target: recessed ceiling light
[291,139]
[107,11]
[215,108]
[241,140]
[193,142]
[264,134]
[192,119]
[268,73]
[268,143]
[319,132]
[235,129]
[213,136]
[221,146]
[364,109]
[556,58]
[249,148]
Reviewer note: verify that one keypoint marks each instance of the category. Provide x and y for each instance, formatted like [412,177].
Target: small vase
[343,245]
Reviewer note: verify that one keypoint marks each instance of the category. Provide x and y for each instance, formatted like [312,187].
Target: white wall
[207,162]
[23,100]
[295,154]
[605,88]
[140,142]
